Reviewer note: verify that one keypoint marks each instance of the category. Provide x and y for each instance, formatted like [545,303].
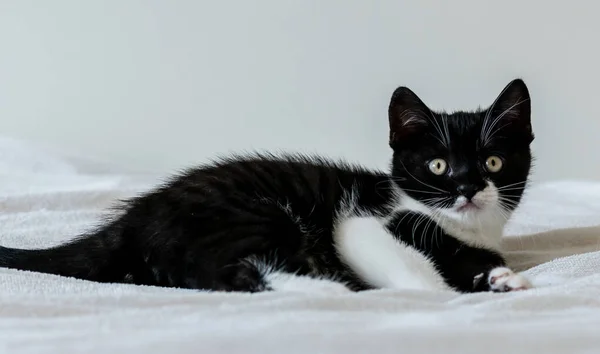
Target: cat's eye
[438,166]
[493,164]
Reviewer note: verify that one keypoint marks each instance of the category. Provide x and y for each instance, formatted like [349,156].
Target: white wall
[156,85]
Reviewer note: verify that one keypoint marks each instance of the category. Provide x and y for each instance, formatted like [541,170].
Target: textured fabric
[44,200]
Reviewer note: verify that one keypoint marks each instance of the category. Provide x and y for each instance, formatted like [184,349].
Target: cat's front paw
[503,280]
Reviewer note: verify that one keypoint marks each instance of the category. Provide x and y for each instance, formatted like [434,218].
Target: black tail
[98,256]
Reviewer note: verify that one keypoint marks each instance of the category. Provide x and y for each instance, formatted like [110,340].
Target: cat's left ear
[511,111]
[409,116]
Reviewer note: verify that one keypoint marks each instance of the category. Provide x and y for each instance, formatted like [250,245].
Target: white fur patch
[365,245]
[287,282]
[279,280]
[478,228]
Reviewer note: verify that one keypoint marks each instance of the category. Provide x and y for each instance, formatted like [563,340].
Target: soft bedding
[45,199]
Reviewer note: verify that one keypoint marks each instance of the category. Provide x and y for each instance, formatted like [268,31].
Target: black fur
[206,228]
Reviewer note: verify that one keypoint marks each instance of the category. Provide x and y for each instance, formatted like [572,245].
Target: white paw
[503,279]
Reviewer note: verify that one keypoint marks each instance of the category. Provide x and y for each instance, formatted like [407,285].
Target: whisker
[511,197]
[439,130]
[435,235]
[505,194]
[513,185]
[508,198]
[395,178]
[418,180]
[425,229]
[489,113]
[414,228]
[427,221]
[491,135]
[391,179]
[443,220]
[512,189]
[412,215]
[509,205]
[511,192]
[435,202]
[446,130]
[422,191]
[438,229]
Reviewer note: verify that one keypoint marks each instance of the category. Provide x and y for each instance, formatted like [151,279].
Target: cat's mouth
[468,206]
[464,205]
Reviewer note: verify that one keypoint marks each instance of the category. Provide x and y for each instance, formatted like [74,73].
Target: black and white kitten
[253,223]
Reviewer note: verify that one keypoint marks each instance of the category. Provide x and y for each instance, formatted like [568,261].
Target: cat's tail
[98,256]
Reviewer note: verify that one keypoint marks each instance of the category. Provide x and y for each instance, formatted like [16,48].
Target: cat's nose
[467,190]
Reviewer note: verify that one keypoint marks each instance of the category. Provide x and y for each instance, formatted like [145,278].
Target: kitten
[252,223]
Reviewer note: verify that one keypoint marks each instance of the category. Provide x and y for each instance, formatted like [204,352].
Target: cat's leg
[246,255]
[473,269]
[372,252]
[266,252]
[257,274]
[240,276]
[466,273]
[464,267]
[263,272]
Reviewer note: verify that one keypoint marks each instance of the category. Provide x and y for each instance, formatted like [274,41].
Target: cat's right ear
[408,115]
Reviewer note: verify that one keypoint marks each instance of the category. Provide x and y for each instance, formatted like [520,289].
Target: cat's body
[251,223]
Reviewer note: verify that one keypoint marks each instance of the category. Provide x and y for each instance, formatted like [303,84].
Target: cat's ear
[408,115]
[511,110]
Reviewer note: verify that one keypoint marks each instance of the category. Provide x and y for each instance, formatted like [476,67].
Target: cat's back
[247,181]
[270,175]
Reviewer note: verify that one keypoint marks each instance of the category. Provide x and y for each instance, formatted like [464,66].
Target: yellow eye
[438,166]
[493,164]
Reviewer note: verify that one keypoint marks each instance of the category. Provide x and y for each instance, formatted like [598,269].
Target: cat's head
[463,164]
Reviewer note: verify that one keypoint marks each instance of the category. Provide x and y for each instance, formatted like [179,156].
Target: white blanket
[45,200]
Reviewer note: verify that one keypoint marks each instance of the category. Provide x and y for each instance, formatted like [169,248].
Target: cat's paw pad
[503,279]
